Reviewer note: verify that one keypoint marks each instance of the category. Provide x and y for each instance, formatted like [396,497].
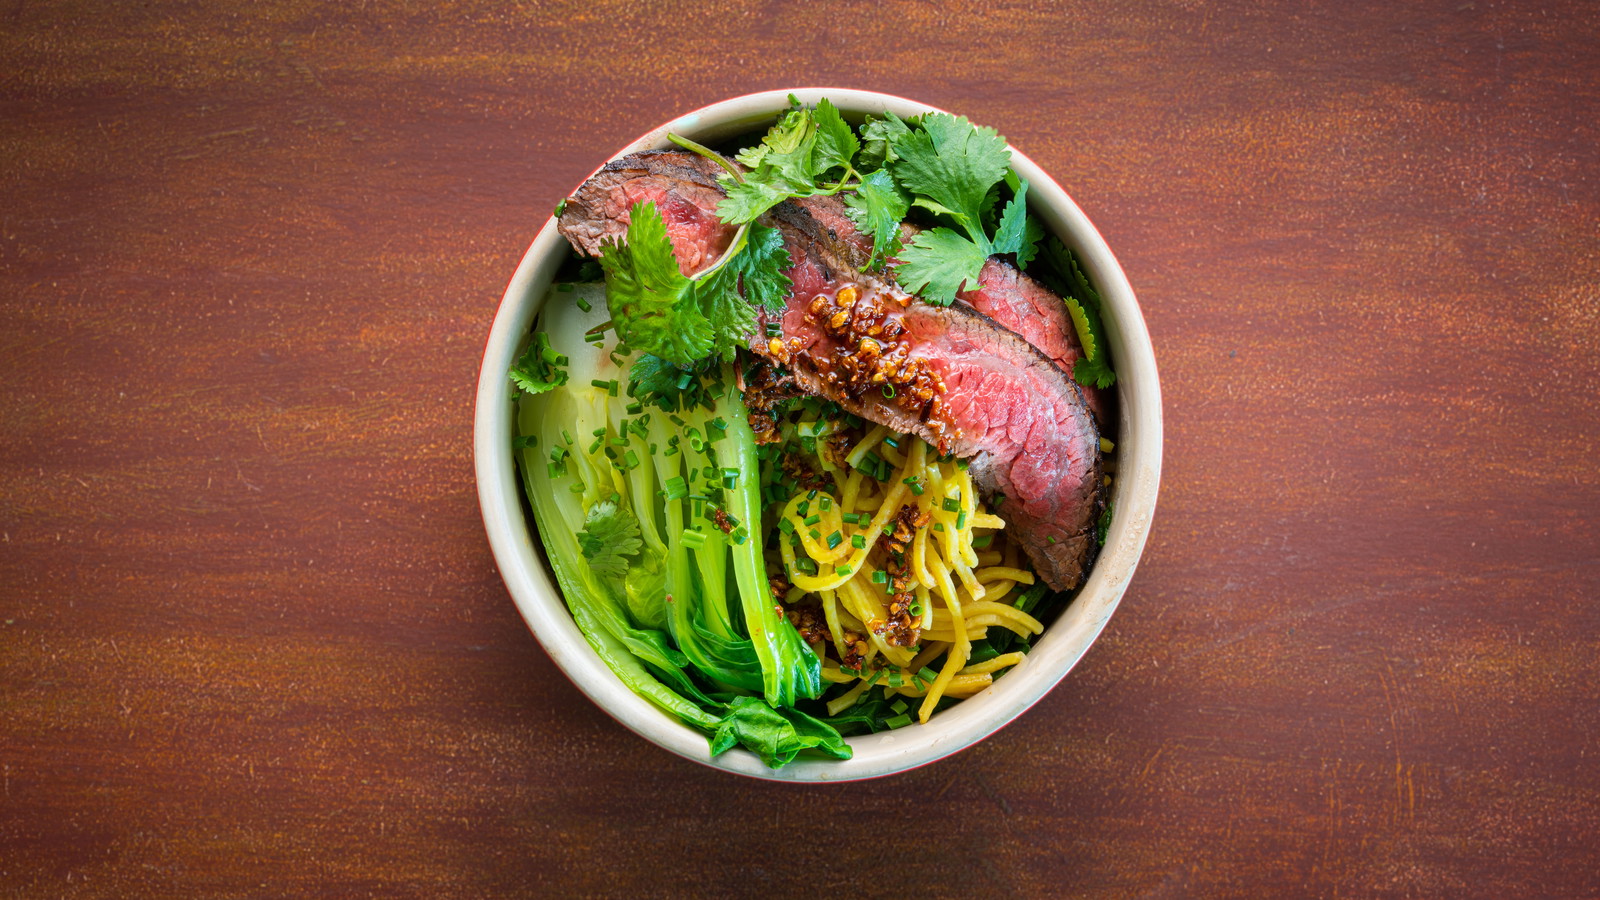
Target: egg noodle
[922,530]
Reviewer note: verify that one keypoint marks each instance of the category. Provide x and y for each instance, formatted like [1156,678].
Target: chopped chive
[961,520]
[1050,540]
[618,442]
[806,565]
[815,534]
[803,507]
[982,541]
[740,536]
[939,527]
[676,488]
[566,437]
[951,504]
[879,576]
[895,680]
[998,499]
[598,432]
[563,288]
[585,305]
[595,447]
[876,674]
[813,519]
[554,470]
[631,460]
[927,674]
[917,488]
[786,524]
[694,540]
[826,503]
[836,539]
[683,381]
[852,518]
[893,441]
[898,706]
[842,569]
[577,488]
[916,608]
[857,541]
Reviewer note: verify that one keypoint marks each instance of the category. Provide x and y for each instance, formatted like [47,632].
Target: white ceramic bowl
[1138,454]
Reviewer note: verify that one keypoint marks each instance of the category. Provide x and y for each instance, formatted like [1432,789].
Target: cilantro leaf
[731,319]
[938,264]
[836,143]
[761,266]
[878,206]
[1032,234]
[793,156]
[952,163]
[748,199]
[1062,274]
[662,384]
[878,137]
[539,368]
[652,305]
[610,535]
[1009,235]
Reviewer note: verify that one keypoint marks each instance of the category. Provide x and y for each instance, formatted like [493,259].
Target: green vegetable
[657,309]
[1062,274]
[604,515]
[953,168]
[790,162]
[539,368]
[777,736]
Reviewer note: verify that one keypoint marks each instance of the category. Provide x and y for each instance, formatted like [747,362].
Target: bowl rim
[1139,449]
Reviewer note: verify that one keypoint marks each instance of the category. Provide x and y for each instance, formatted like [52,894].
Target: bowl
[516,550]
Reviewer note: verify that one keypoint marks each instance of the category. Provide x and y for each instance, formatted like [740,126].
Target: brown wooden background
[252,642]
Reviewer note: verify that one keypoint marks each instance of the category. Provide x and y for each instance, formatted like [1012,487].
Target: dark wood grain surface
[252,642]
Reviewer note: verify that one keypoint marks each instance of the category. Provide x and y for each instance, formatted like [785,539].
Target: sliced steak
[1005,294]
[683,187]
[949,375]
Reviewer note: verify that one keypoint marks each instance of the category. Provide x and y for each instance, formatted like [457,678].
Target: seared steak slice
[1005,294]
[683,187]
[949,375]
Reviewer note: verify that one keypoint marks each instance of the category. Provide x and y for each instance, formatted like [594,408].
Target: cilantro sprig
[657,309]
[956,173]
[1062,275]
[953,169]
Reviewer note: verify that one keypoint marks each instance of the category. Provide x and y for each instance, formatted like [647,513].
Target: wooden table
[252,642]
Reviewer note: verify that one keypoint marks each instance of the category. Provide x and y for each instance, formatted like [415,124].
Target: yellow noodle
[995,572]
[830,611]
[861,449]
[1004,611]
[994,591]
[985,520]
[992,665]
[957,657]
[847,699]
